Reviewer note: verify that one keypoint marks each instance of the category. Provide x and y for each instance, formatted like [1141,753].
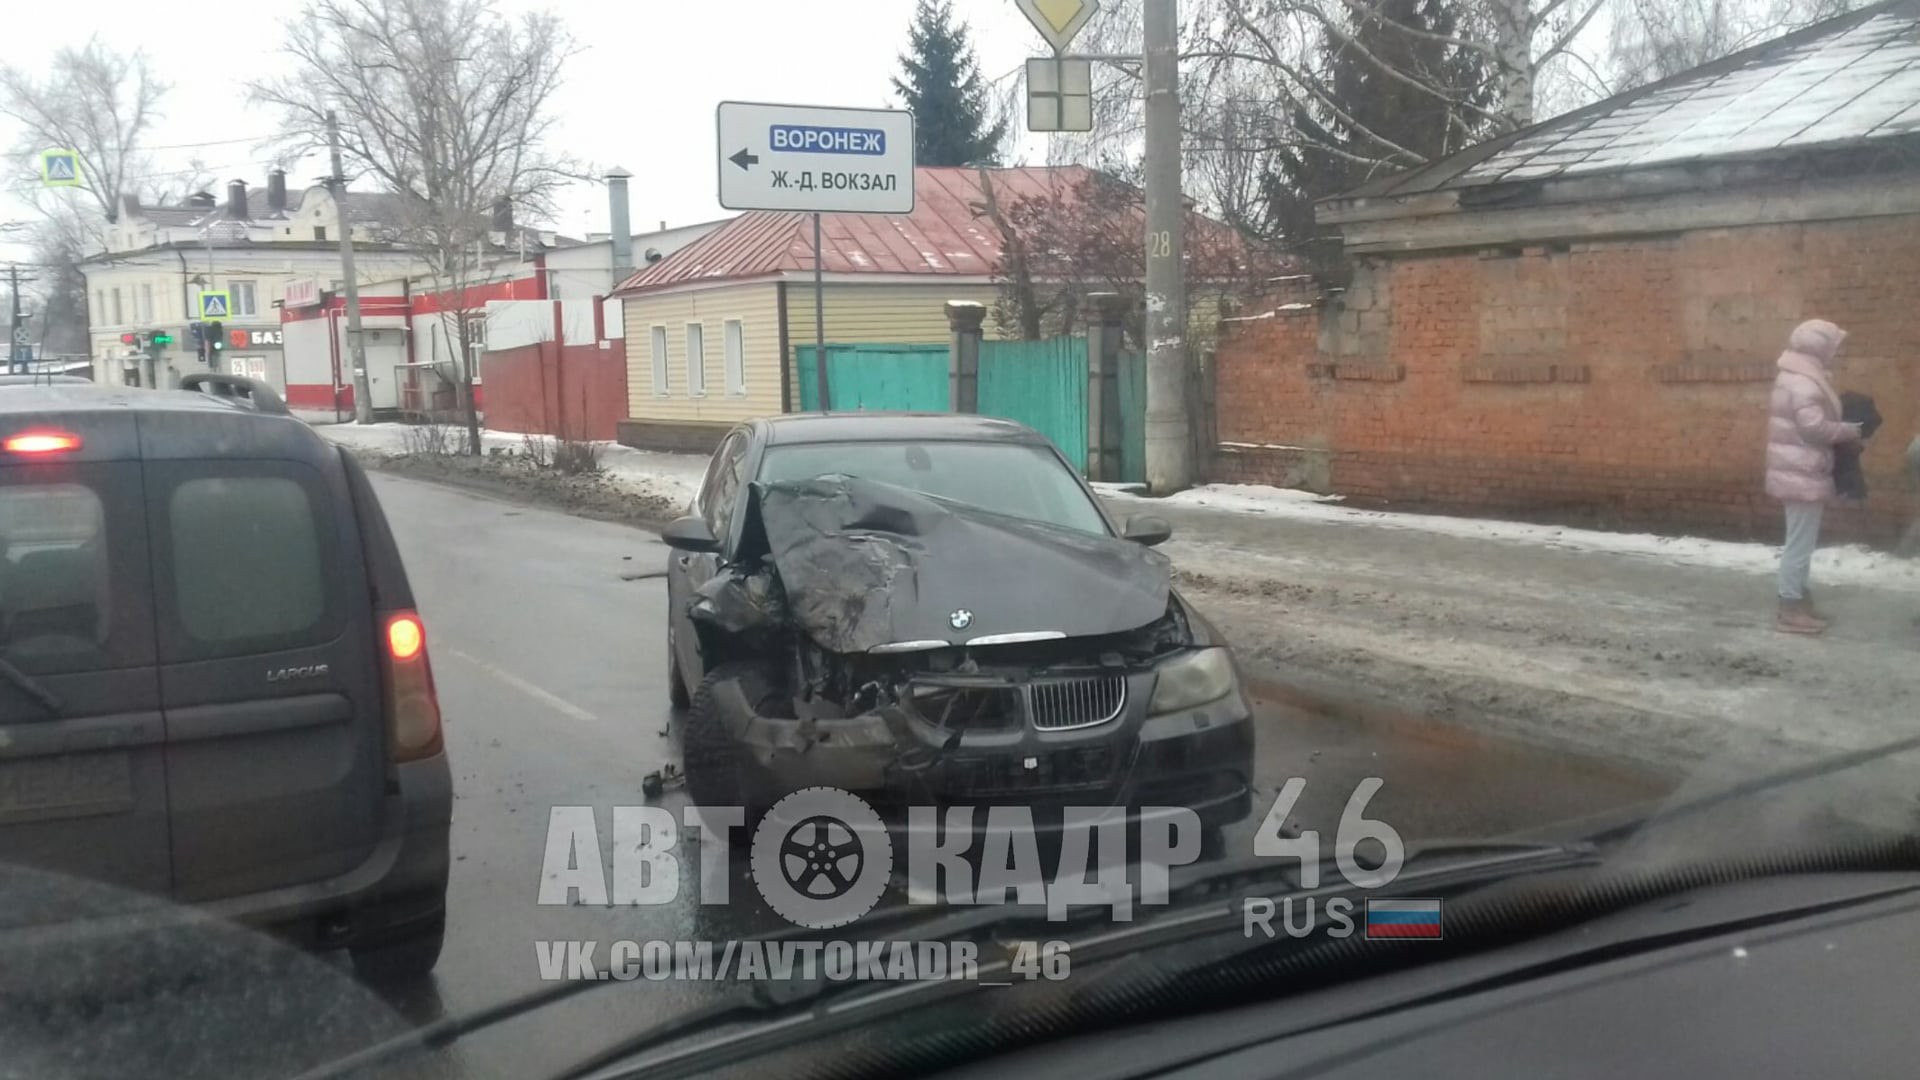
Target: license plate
[65,786]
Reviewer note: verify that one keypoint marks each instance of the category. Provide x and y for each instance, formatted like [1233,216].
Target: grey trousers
[1796,554]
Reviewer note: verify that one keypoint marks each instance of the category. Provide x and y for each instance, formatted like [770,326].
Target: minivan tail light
[41,442]
[405,637]
[413,707]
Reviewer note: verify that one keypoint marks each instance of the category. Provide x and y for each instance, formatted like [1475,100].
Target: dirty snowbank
[674,478]
[1632,653]
[1854,565]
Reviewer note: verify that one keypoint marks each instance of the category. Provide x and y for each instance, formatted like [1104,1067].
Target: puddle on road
[1440,779]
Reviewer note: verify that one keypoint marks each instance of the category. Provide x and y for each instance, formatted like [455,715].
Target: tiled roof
[182,214]
[380,207]
[1844,81]
[172,215]
[945,235]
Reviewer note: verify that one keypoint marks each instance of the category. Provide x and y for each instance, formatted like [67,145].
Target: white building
[252,246]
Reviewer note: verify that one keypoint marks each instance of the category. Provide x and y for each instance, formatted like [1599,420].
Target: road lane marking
[553,701]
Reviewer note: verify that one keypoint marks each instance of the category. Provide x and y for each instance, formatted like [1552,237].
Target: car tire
[714,762]
[677,694]
[404,959]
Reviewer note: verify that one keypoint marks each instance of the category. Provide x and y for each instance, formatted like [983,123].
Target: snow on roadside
[675,477]
[1851,565]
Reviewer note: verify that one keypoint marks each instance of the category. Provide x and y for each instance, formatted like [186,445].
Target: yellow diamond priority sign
[1059,21]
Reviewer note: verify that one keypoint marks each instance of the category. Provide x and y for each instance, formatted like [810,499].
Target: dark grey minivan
[214,685]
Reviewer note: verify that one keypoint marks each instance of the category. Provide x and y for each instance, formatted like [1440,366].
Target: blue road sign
[806,139]
[213,305]
[60,168]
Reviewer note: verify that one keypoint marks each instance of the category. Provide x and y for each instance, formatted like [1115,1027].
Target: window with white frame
[736,358]
[696,360]
[243,298]
[119,315]
[146,303]
[658,354]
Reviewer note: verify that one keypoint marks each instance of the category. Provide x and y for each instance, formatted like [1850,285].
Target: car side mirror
[1147,530]
[689,534]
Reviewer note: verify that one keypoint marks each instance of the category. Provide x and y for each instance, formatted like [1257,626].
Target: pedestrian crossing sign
[213,305]
[60,168]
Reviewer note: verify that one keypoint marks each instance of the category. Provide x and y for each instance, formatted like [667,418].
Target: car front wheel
[677,694]
[715,763]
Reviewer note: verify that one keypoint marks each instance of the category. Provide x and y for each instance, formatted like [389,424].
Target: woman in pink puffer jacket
[1803,424]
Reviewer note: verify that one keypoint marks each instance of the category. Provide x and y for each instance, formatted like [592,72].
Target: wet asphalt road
[546,634]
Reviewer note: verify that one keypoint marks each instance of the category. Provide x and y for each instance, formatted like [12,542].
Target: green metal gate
[875,378]
[1042,384]
[1133,418]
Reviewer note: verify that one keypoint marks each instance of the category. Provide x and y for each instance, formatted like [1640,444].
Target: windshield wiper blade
[773,999]
[1772,781]
[31,687]
[803,1009]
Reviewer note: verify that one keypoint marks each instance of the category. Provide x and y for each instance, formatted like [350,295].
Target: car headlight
[1192,679]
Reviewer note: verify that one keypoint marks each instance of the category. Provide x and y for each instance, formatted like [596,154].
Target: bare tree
[446,103]
[1248,65]
[1657,39]
[1083,236]
[96,102]
[100,104]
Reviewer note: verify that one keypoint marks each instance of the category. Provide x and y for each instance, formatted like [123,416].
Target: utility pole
[16,338]
[337,183]
[1169,444]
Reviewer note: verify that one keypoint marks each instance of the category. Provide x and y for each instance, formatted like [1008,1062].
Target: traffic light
[216,338]
[159,337]
[129,339]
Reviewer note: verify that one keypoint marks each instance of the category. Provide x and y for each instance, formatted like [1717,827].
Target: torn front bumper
[1199,758]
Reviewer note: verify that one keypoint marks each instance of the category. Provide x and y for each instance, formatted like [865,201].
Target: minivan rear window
[54,597]
[246,559]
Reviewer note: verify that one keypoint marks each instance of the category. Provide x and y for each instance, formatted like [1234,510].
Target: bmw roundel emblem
[961,619]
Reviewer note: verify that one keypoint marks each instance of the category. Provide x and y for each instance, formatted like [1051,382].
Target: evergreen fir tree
[940,83]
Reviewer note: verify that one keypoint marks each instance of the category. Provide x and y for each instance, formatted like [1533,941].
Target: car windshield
[1016,479]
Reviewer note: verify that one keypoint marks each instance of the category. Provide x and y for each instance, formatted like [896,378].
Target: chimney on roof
[503,216]
[237,200]
[202,200]
[620,223]
[277,190]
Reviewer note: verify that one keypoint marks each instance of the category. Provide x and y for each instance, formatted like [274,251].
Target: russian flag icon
[1416,918]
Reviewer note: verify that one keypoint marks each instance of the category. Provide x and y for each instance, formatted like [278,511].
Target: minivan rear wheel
[402,959]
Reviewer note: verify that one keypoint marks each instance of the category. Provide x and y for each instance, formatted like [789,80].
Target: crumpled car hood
[864,563]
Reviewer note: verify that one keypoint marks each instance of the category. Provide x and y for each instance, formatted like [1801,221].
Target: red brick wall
[542,388]
[1622,384]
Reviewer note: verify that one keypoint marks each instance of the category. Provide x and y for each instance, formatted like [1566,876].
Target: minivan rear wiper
[30,686]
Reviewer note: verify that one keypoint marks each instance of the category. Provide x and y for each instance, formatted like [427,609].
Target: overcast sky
[640,94]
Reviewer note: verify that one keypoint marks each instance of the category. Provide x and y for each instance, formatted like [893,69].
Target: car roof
[802,428]
[84,396]
[120,423]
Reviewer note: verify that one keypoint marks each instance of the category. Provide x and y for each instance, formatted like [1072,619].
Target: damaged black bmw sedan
[936,610]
